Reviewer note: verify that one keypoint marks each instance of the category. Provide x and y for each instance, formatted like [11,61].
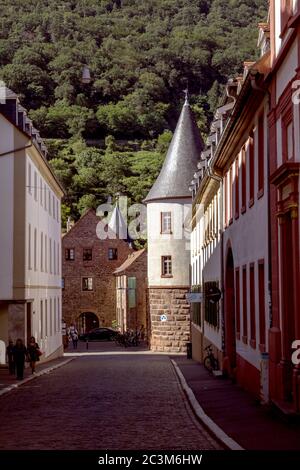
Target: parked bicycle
[128,338]
[210,362]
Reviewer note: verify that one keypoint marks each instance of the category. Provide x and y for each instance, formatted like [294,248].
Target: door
[230,326]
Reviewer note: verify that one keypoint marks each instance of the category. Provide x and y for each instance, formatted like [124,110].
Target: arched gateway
[87,321]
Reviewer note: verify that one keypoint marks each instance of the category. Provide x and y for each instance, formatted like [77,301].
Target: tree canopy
[141,54]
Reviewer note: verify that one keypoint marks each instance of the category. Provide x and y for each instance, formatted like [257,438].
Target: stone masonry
[171,335]
[101,301]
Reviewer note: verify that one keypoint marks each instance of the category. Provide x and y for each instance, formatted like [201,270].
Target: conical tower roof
[181,160]
[118,225]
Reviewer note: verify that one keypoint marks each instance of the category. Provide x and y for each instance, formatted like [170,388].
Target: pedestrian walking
[10,357]
[19,355]
[75,339]
[34,353]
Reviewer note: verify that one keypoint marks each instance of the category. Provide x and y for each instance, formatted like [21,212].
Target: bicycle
[210,362]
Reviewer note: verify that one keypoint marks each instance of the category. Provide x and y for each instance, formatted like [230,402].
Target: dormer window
[286,13]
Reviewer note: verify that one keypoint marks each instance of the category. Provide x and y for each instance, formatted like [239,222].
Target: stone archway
[87,321]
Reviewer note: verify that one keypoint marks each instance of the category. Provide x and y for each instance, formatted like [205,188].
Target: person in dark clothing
[75,339]
[19,355]
[10,357]
[33,352]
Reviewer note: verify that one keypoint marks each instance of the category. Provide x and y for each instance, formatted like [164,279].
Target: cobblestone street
[119,401]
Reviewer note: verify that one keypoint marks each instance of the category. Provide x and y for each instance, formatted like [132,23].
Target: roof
[181,160]
[130,260]
[29,137]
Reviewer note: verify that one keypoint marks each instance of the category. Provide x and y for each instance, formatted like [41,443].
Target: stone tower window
[166,222]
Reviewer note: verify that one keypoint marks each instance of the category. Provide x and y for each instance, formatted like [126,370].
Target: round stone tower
[168,203]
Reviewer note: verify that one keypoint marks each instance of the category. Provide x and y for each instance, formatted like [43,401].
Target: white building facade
[30,235]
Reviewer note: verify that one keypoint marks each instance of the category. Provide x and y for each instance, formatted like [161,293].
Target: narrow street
[103,401]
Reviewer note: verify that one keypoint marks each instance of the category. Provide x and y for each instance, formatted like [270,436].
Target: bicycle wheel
[207,364]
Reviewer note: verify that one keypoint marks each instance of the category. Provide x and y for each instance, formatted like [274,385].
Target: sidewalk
[9,382]
[249,424]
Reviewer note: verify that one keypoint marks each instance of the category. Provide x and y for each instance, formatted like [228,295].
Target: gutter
[16,150]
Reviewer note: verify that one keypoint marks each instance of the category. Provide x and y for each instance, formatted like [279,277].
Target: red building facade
[88,265]
[284,133]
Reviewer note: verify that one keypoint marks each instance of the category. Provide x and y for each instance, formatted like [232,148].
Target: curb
[32,377]
[229,443]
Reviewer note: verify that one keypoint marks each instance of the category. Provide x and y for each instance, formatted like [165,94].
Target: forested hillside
[141,54]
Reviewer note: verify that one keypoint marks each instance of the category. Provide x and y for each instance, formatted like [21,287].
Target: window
[251,169]
[58,258]
[196,308]
[29,246]
[58,316]
[230,195]
[245,327]
[166,266]
[55,316]
[42,319]
[286,12]
[42,252]
[87,283]
[35,187]
[41,191]
[69,254]
[166,222]
[45,197]
[49,201]
[261,155]
[35,249]
[87,254]
[225,199]
[211,309]
[50,319]
[237,302]
[54,257]
[287,136]
[252,308]
[46,318]
[50,255]
[262,317]
[244,172]
[46,255]
[237,189]
[29,178]
[131,292]
[112,254]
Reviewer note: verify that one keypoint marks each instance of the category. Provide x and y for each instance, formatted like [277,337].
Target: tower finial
[186,93]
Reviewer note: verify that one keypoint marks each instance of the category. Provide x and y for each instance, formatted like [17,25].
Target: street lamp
[86,75]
